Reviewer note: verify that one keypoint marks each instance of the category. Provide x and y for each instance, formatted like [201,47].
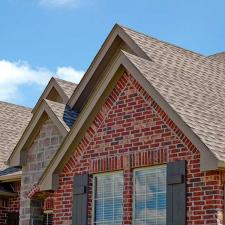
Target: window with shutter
[108,199]
[150,196]
[48,218]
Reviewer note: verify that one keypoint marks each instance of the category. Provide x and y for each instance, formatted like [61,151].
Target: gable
[147,59]
[128,132]
[49,178]
[128,124]
[42,114]
[57,90]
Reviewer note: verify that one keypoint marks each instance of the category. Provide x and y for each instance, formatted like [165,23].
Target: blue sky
[41,38]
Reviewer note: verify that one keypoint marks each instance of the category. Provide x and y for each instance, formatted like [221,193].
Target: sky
[44,38]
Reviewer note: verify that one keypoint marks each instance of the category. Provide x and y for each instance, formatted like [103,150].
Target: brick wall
[39,155]
[10,204]
[132,131]
[14,202]
[3,212]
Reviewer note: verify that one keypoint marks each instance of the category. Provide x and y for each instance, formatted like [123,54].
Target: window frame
[133,195]
[93,191]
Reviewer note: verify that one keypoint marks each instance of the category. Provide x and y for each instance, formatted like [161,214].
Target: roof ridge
[165,42]
[13,104]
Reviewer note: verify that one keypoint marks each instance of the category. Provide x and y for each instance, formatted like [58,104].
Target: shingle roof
[13,121]
[173,56]
[67,86]
[197,96]
[219,57]
[64,113]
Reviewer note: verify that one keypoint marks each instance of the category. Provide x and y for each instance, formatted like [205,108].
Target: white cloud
[13,75]
[59,3]
[70,74]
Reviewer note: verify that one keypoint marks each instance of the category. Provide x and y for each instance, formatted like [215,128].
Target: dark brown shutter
[80,199]
[176,193]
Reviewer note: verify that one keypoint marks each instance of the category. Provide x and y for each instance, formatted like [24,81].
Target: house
[140,140]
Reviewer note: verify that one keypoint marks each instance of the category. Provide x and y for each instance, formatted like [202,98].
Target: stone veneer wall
[39,154]
[132,131]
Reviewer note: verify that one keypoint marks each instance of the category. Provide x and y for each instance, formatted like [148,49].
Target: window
[150,196]
[108,199]
[48,218]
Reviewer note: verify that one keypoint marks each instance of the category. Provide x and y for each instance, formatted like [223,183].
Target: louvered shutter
[176,193]
[80,199]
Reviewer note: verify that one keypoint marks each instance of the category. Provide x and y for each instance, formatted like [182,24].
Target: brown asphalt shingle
[13,121]
[173,56]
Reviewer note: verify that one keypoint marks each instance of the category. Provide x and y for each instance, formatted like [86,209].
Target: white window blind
[108,199]
[150,196]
